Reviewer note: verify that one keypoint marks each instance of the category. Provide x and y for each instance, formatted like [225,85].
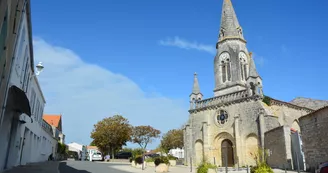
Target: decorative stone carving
[240,31]
[222,32]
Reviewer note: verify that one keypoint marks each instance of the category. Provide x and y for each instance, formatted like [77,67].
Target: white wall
[78,148]
[26,142]
[179,153]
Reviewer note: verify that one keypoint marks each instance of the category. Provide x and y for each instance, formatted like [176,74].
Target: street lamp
[39,68]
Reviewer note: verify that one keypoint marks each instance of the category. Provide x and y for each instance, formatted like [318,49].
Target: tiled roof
[92,147]
[314,112]
[53,120]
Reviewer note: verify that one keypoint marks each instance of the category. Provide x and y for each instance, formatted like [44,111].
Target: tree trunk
[112,152]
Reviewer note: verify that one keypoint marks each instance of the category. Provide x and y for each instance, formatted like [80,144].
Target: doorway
[227,154]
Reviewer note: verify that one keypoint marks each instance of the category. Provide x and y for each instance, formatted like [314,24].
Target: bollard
[247,169]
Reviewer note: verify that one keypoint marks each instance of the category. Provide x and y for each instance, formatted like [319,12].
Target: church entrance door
[227,153]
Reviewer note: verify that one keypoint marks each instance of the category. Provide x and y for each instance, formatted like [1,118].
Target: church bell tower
[234,67]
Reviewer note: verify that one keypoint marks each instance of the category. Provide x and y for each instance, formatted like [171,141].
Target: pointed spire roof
[196,89]
[252,67]
[230,27]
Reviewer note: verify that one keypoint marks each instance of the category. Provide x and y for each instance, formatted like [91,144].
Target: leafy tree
[111,133]
[92,143]
[172,139]
[143,135]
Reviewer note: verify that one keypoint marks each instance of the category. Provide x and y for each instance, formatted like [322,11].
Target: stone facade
[232,125]
[315,137]
[278,142]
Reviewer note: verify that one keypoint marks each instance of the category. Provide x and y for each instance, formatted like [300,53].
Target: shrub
[138,160]
[137,151]
[160,160]
[263,168]
[170,157]
[131,160]
[150,159]
[267,100]
[203,168]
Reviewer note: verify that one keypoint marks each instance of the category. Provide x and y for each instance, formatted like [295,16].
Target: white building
[25,138]
[178,152]
[80,149]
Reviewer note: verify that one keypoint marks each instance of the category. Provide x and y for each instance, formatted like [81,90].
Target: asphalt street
[88,167]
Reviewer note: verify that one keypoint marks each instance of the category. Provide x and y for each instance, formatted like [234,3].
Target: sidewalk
[177,169]
[41,167]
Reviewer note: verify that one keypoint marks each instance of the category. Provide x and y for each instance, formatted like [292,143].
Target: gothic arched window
[243,65]
[225,67]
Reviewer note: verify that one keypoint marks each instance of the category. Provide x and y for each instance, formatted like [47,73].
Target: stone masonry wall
[276,141]
[314,129]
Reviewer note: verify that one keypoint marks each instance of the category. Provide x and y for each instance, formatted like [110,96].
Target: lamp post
[39,68]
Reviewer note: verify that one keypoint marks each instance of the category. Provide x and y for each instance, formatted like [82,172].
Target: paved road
[88,167]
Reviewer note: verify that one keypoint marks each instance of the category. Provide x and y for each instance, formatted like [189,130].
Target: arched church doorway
[227,154]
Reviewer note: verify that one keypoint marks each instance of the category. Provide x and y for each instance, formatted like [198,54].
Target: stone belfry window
[243,65]
[225,65]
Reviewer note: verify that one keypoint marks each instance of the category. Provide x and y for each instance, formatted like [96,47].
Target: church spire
[230,27]
[195,89]
[196,95]
[252,68]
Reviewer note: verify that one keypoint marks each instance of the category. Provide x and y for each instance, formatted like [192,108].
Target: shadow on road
[64,168]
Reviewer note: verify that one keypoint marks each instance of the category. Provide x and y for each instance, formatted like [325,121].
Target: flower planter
[150,164]
[139,166]
[162,168]
[173,162]
[133,164]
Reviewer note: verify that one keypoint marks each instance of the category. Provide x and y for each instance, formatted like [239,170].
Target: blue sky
[124,37]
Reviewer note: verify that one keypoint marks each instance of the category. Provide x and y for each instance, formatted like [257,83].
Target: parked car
[123,155]
[323,168]
[151,155]
[72,155]
[97,156]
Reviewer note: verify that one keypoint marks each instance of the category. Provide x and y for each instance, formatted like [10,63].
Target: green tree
[172,139]
[92,143]
[111,133]
[143,135]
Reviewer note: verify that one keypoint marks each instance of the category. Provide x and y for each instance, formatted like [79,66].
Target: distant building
[315,137]
[178,152]
[91,150]
[56,123]
[79,148]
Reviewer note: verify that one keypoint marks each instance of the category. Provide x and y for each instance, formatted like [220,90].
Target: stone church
[238,120]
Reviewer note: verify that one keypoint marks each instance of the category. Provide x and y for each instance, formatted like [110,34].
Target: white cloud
[184,44]
[85,93]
